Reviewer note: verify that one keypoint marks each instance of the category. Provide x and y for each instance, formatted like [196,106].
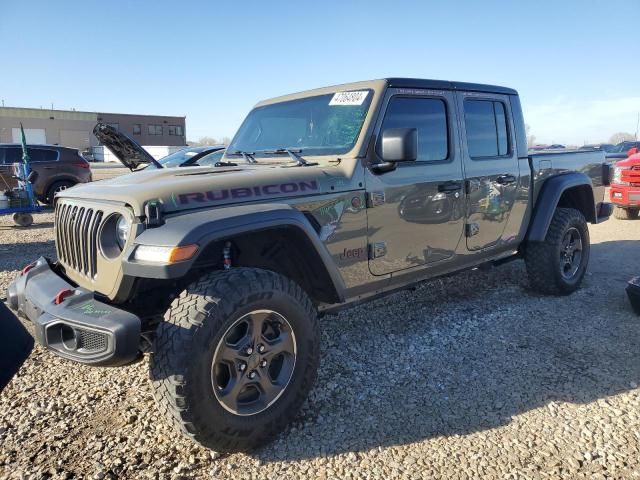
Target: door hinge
[471,229]
[377,250]
[375,198]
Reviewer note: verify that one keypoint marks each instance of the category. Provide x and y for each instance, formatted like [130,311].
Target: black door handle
[505,179]
[449,187]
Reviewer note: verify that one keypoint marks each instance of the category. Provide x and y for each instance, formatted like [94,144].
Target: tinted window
[42,155]
[429,117]
[155,129]
[12,155]
[175,130]
[486,125]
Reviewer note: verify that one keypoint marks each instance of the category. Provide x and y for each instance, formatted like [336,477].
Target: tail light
[81,164]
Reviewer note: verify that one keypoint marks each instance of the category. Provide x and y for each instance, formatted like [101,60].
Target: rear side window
[429,117]
[42,155]
[11,155]
[486,126]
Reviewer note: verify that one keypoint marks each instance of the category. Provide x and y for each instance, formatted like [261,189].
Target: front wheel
[558,265]
[235,357]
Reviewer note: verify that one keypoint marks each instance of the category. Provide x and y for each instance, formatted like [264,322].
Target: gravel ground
[471,376]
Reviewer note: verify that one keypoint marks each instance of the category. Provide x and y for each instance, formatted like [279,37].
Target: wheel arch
[57,179]
[272,237]
[570,190]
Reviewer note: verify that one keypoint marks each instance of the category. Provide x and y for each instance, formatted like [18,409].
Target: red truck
[625,187]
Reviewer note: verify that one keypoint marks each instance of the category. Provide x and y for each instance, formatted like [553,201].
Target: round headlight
[122,231]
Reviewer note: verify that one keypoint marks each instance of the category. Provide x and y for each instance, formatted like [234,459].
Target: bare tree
[621,137]
[531,139]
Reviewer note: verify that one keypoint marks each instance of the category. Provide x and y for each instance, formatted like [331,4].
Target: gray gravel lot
[466,377]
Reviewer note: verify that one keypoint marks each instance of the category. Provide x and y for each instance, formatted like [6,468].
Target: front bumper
[79,328]
[625,196]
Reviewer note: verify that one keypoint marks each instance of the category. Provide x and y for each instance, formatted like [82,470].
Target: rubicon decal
[248,192]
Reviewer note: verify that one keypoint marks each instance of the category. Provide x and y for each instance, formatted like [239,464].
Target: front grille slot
[77,237]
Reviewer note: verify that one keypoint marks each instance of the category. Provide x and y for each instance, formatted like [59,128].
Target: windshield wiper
[293,154]
[247,156]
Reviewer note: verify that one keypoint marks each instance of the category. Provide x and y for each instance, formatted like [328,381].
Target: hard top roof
[447,85]
[417,83]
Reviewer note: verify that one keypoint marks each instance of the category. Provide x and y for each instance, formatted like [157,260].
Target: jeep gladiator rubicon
[323,199]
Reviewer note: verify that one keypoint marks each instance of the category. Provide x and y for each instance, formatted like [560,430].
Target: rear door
[491,166]
[45,162]
[415,212]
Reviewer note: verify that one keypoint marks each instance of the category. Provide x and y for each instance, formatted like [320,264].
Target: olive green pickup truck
[323,198]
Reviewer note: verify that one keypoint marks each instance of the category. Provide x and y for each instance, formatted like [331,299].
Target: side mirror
[399,145]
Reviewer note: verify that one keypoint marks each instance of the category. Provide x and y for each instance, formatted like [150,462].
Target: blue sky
[575,63]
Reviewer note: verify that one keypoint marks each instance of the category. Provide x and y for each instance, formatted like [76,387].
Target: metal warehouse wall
[61,127]
[73,129]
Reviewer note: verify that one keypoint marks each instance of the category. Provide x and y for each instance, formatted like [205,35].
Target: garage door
[75,139]
[33,135]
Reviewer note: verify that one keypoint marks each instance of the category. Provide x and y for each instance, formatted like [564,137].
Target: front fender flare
[205,226]
[548,199]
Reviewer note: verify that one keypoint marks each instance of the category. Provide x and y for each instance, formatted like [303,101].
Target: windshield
[321,125]
[178,158]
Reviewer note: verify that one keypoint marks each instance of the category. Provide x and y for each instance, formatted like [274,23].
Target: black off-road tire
[543,259]
[181,362]
[625,213]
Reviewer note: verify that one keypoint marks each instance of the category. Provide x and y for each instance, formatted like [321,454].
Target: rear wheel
[57,187]
[626,213]
[235,357]
[558,264]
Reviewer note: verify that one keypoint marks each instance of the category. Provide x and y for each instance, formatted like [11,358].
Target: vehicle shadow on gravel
[465,354]
[35,226]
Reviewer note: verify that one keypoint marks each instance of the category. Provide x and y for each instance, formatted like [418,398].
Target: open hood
[130,154]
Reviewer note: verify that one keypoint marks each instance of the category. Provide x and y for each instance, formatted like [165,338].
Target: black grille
[77,237]
[90,341]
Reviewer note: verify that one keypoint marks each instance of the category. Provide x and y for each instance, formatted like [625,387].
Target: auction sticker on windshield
[349,98]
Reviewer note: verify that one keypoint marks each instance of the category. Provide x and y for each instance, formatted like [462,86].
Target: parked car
[605,147]
[57,168]
[324,199]
[194,156]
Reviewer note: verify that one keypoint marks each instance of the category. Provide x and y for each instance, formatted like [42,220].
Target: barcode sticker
[349,98]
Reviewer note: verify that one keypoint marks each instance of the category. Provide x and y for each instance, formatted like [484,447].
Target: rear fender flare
[549,198]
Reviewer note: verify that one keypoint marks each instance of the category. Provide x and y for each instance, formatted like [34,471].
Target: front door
[491,166]
[415,212]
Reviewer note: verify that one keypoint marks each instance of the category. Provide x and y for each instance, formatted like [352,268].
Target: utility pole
[637,125]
